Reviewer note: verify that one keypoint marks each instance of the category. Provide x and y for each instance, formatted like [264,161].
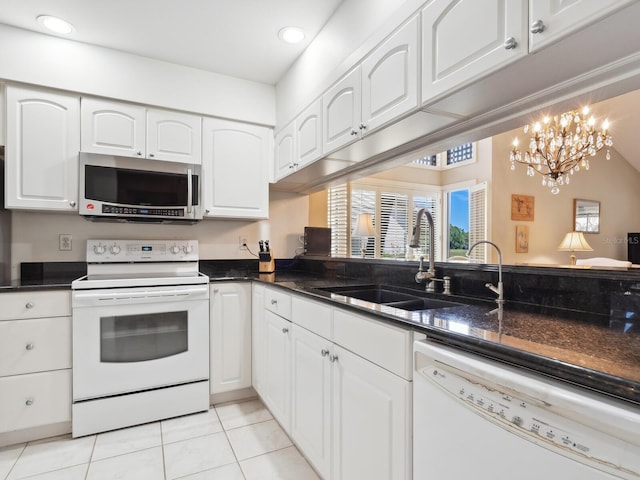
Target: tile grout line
[229,441]
[16,461]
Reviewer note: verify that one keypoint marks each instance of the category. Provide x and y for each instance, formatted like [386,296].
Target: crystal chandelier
[561,146]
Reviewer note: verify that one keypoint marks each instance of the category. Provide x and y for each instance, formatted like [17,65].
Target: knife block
[266,262]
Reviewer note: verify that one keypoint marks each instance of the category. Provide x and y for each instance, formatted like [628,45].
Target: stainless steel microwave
[139,190]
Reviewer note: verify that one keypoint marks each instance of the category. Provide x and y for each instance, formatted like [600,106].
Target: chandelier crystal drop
[560,146]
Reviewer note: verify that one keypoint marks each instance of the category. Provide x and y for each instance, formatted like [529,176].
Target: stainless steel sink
[390,296]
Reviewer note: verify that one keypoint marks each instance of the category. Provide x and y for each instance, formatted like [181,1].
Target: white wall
[54,62]
[35,234]
[354,29]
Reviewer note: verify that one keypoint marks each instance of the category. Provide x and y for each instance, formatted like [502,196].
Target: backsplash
[587,293]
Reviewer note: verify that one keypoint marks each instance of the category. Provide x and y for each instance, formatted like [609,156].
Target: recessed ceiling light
[55,24]
[291,34]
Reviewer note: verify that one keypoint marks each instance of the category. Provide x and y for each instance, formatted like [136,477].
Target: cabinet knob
[354,131]
[30,346]
[151,155]
[537,27]
[216,290]
[139,153]
[324,352]
[510,43]
[29,402]
[72,203]
[274,301]
[362,126]
[285,330]
[29,305]
[333,358]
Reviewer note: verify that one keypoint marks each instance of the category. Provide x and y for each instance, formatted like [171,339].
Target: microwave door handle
[189,190]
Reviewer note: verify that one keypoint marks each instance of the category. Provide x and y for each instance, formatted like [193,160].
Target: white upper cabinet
[42,145]
[341,110]
[172,136]
[285,152]
[112,128]
[235,170]
[308,130]
[551,20]
[390,78]
[379,90]
[115,128]
[463,40]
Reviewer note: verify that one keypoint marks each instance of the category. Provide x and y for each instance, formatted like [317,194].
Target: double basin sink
[390,296]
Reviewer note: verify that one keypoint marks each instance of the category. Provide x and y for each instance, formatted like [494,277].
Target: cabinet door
[41,154]
[390,78]
[236,169]
[464,40]
[173,136]
[309,134]
[277,368]
[341,112]
[230,337]
[112,128]
[257,337]
[562,17]
[311,397]
[285,161]
[371,421]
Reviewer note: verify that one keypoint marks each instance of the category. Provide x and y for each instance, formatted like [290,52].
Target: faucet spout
[499,290]
[415,240]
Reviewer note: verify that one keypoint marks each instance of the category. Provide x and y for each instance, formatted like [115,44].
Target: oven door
[132,339]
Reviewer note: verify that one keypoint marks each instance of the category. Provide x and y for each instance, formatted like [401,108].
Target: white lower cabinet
[311,397]
[35,365]
[230,337]
[257,337]
[371,420]
[276,383]
[350,416]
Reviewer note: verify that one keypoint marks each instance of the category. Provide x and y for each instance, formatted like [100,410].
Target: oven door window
[141,338]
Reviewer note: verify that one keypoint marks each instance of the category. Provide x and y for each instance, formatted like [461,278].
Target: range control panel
[535,420]
[113,251]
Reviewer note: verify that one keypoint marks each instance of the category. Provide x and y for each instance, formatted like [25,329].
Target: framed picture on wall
[522,208]
[522,239]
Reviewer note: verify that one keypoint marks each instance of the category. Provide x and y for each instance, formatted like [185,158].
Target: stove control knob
[175,249]
[187,249]
[115,249]
[99,249]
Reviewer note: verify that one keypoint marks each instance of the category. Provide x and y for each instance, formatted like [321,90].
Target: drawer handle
[333,358]
[29,305]
[29,402]
[324,352]
[274,301]
[30,346]
[285,330]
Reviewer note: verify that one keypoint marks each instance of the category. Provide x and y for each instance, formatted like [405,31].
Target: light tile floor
[234,441]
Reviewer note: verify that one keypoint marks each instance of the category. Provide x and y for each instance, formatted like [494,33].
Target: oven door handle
[189,190]
[160,295]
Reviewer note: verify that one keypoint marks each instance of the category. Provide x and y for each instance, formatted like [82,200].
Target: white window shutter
[478,221]
[338,219]
[394,225]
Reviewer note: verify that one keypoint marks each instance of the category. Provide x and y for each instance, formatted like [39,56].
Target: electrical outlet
[65,241]
[242,242]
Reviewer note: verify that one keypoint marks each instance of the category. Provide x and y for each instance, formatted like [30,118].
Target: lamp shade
[364,227]
[574,242]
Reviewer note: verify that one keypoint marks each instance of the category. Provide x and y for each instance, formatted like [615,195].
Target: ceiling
[238,38]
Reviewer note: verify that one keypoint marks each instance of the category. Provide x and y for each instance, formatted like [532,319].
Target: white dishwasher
[480,419]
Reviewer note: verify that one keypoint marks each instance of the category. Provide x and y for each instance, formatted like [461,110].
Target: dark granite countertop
[599,354]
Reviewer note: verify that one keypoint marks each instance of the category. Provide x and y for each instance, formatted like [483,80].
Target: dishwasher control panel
[535,420]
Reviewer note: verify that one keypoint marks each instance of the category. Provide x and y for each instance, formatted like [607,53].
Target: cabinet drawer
[35,399]
[278,302]
[35,345]
[385,345]
[35,304]
[313,316]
